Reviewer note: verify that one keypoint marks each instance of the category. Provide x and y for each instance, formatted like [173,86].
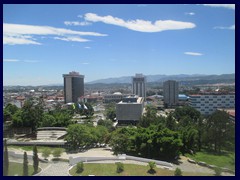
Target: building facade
[129,110]
[170,93]
[139,85]
[207,104]
[73,86]
[115,97]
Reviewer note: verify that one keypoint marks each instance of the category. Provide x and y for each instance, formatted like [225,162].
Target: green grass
[30,148]
[17,169]
[129,170]
[224,160]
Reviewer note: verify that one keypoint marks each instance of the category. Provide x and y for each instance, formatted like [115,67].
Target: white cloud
[140,25]
[23,34]
[193,53]
[87,47]
[222,27]
[189,13]
[228,6]
[85,63]
[11,60]
[77,23]
[76,39]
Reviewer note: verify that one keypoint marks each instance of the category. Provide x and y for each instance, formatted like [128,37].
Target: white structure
[129,110]
[115,97]
[207,104]
[170,93]
[139,85]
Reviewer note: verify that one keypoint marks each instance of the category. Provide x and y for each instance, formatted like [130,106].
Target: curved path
[60,168]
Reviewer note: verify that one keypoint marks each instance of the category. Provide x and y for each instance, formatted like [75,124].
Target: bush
[151,165]
[178,172]
[218,171]
[57,152]
[46,152]
[80,167]
[120,167]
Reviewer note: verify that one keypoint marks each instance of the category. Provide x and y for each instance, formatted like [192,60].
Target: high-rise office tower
[170,93]
[73,86]
[139,85]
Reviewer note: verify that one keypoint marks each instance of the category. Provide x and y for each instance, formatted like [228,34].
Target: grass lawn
[17,169]
[225,160]
[129,170]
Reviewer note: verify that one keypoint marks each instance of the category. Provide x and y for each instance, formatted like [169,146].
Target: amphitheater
[51,133]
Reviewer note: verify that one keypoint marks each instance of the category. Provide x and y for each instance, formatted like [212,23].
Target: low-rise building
[129,110]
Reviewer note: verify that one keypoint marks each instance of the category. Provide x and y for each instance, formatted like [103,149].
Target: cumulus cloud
[222,27]
[77,23]
[189,13]
[228,6]
[140,25]
[23,34]
[193,53]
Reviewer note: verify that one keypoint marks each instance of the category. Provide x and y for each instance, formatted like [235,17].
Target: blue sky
[42,42]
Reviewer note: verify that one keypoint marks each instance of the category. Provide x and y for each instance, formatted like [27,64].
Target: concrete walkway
[61,168]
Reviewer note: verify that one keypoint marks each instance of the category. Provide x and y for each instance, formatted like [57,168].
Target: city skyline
[40,42]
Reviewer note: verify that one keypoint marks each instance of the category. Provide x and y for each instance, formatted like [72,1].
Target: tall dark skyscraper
[73,86]
[170,93]
[139,85]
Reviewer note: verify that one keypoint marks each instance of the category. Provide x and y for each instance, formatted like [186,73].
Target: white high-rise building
[170,93]
[139,85]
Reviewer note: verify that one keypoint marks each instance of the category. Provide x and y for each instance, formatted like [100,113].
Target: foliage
[5,159]
[46,152]
[106,123]
[80,135]
[218,171]
[25,164]
[35,159]
[120,167]
[110,112]
[178,172]
[152,165]
[84,109]
[219,130]
[57,152]
[149,117]
[80,167]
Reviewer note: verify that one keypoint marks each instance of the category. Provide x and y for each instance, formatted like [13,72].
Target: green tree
[57,152]
[79,135]
[11,108]
[46,152]
[80,167]
[217,129]
[48,120]
[17,119]
[170,122]
[35,159]
[120,167]
[5,159]
[152,165]
[106,123]
[178,172]
[149,117]
[7,116]
[110,112]
[25,164]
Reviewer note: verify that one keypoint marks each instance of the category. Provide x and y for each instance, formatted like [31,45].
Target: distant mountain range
[162,78]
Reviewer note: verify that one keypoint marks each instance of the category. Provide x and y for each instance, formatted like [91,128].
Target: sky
[42,42]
